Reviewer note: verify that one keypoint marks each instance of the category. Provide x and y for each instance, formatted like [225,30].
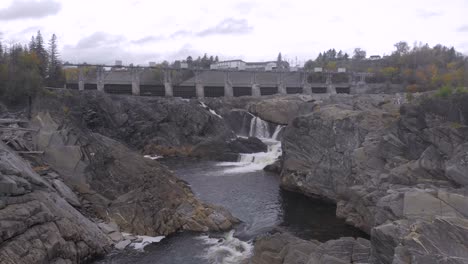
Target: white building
[318,69]
[261,66]
[341,69]
[242,65]
[231,64]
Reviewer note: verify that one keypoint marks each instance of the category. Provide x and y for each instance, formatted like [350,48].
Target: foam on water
[226,250]
[145,240]
[249,162]
[153,157]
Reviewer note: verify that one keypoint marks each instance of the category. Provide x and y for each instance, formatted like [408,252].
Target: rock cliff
[400,176]
[37,225]
[116,182]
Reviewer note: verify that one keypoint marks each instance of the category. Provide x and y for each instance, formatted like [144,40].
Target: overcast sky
[139,31]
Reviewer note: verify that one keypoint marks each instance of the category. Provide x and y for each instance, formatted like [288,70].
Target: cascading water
[259,128]
[230,249]
[227,250]
[248,162]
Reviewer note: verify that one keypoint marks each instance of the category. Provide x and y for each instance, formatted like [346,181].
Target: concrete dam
[187,83]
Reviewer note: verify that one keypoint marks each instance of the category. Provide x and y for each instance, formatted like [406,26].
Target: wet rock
[228,150]
[275,167]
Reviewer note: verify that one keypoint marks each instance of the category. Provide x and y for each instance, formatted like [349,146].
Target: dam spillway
[188,83]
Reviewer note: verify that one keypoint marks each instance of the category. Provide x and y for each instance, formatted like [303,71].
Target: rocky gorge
[398,172]
[396,169]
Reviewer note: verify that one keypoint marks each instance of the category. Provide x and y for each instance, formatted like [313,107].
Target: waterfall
[277,131]
[248,162]
[259,128]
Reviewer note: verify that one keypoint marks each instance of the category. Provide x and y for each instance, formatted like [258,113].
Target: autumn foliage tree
[23,70]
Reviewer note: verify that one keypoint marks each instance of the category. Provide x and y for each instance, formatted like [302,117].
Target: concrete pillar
[307,89]
[281,86]
[100,79]
[135,81]
[256,90]
[228,90]
[200,89]
[282,89]
[168,91]
[81,81]
[331,89]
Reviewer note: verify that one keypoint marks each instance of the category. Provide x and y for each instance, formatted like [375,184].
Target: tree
[189,61]
[359,54]
[402,48]
[216,59]
[41,53]
[55,77]
[340,55]
[280,58]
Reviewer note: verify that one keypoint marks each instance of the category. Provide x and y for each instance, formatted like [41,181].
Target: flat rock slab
[122,244]
[66,193]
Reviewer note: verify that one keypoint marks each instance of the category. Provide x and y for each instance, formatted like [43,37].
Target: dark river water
[251,195]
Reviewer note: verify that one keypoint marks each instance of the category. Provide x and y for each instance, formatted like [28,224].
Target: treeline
[198,63]
[24,69]
[420,67]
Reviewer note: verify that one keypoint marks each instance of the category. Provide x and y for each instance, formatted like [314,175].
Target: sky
[140,31]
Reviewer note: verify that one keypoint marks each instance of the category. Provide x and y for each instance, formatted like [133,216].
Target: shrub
[444,91]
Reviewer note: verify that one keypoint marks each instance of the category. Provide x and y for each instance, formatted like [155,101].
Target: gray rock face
[282,110]
[282,248]
[116,183]
[228,151]
[36,224]
[383,168]
[149,123]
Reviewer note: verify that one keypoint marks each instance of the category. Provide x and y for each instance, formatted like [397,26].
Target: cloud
[463,28]
[428,13]
[23,9]
[147,39]
[99,39]
[181,33]
[245,7]
[229,26]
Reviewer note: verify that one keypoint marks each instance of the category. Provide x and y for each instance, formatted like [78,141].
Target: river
[250,194]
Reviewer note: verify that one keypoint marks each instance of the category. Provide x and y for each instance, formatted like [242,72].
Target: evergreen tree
[41,54]
[55,73]
[189,61]
[32,44]
[280,58]
[216,59]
